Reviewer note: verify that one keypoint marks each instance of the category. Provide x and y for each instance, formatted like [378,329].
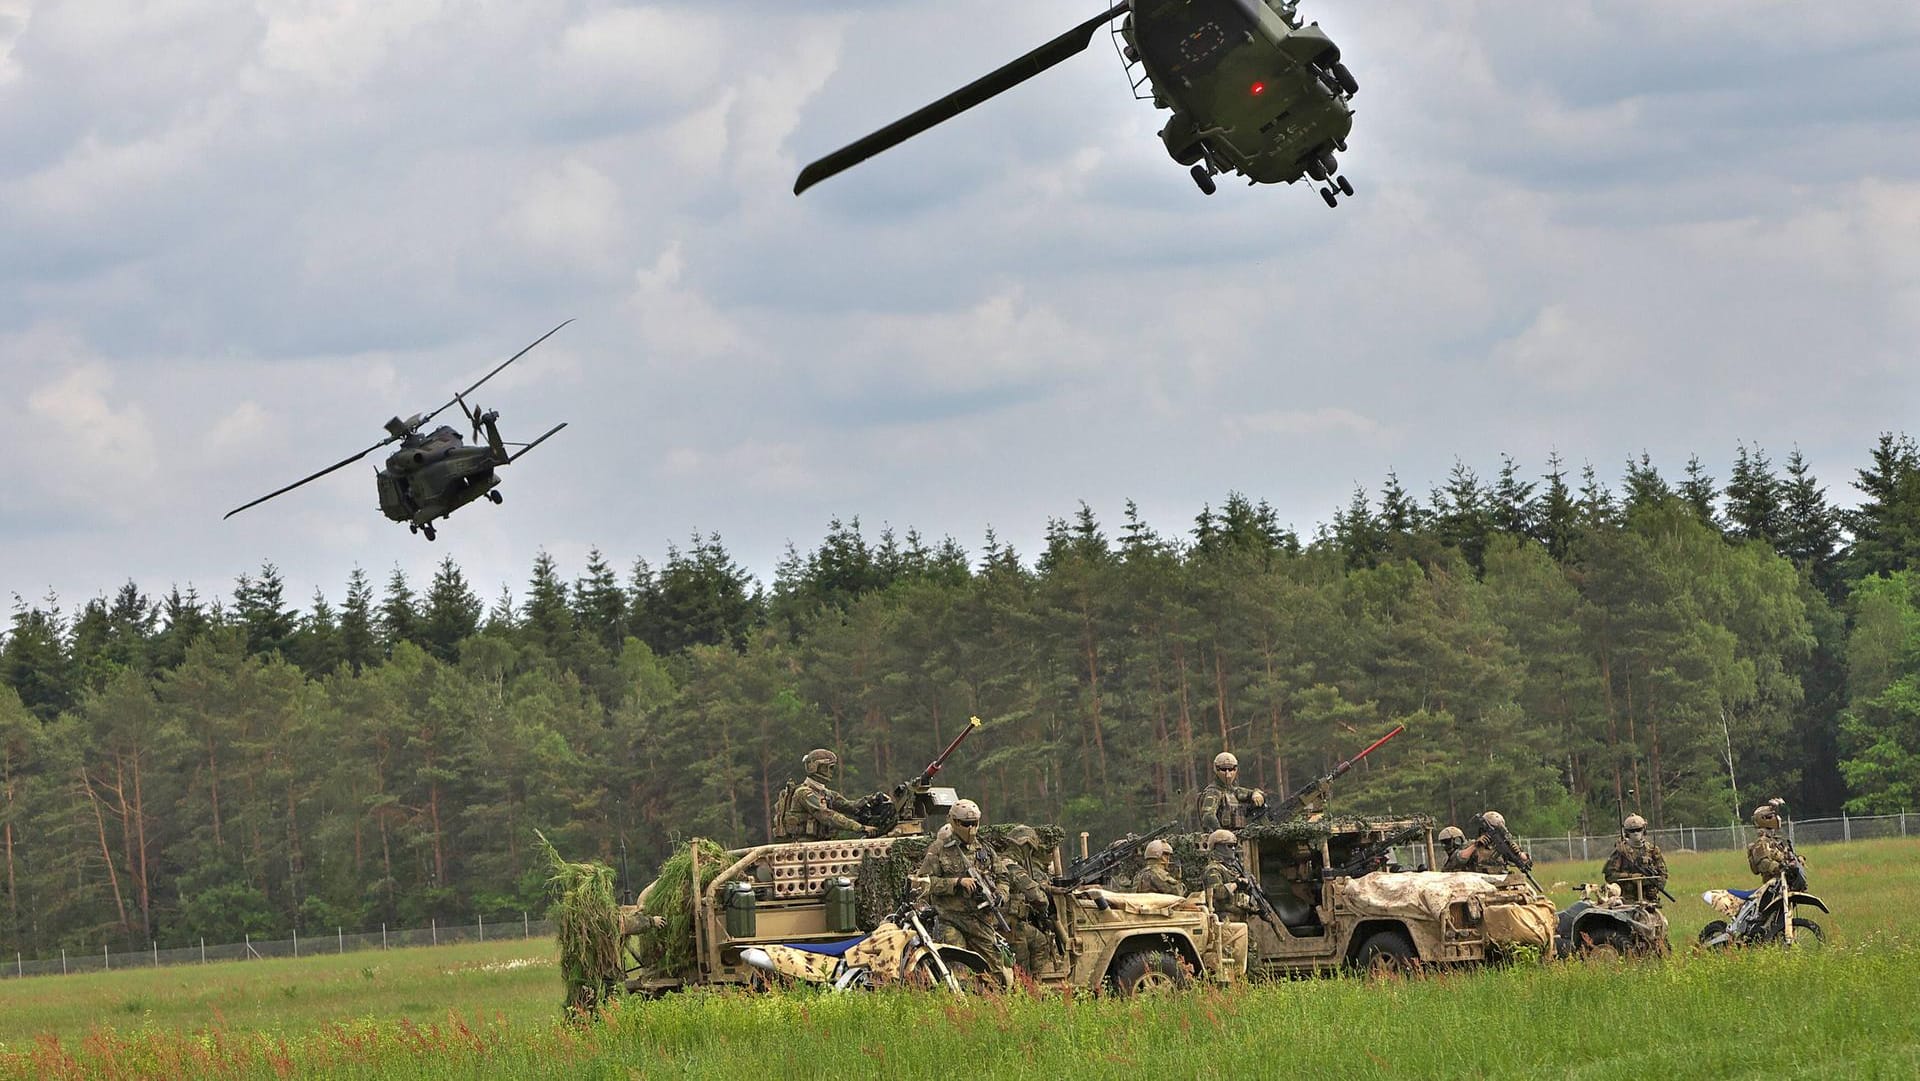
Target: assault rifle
[1318,790]
[881,811]
[1506,849]
[988,900]
[1373,856]
[1251,887]
[1099,866]
[1643,875]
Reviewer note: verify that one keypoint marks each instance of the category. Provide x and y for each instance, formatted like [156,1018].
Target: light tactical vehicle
[1339,902]
[825,896]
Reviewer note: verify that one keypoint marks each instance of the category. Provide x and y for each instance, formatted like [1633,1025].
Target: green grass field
[490,1011]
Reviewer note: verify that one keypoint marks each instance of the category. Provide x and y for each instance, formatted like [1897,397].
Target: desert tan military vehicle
[1339,901]
[826,896]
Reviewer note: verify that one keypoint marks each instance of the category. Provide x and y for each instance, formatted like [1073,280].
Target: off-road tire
[1385,953]
[972,980]
[1148,972]
[1713,930]
[1804,928]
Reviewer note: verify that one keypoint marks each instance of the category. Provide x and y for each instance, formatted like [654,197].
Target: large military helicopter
[1252,89]
[435,473]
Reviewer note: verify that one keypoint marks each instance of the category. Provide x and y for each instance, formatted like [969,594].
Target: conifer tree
[359,638]
[399,616]
[451,614]
[1754,495]
[1699,493]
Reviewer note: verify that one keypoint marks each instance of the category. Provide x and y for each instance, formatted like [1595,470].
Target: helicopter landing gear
[1329,196]
[496,497]
[1315,169]
[1340,145]
[428,531]
[1203,177]
[1346,80]
[1328,162]
[1340,181]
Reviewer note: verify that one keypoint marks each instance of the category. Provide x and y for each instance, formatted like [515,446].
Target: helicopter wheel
[1330,163]
[1315,169]
[1340,145]
[413,527]
[1346,80]
[428,530]
[1203,177]
[496,497]
[1345,187]
[1325,193]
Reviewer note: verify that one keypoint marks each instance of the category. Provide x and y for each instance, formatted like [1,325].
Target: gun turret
[1100,866]
[1373,856]
[882,810]
[1314,794]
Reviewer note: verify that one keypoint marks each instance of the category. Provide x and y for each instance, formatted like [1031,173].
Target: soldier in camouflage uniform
[1636,865]
[1481,855]
[1226,803]
[1452,840]
[812,810]
[1223,876]
[1770,853]
[1157,876]
[964,878]
[1028,904]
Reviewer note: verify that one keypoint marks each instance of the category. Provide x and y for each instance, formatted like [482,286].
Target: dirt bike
[1766,916]
[903,951]
[1603,922]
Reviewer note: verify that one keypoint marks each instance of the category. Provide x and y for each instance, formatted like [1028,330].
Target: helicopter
[434,473]
[1252,90]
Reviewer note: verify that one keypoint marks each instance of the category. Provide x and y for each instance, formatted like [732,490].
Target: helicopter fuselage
[433,475]
[1250,87]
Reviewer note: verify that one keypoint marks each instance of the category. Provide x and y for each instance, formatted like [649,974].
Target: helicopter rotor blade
[535,443]
[1066,46]
[341,464]
[473,416]
[503,364]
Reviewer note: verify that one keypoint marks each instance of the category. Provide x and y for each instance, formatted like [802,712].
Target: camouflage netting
[668,950]
[1190,849]
[882,880]
[587,922]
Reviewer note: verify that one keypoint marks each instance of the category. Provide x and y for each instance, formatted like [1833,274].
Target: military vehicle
[820,896]
[435,473]
[1339,902]
[1251,88]
[1603,923]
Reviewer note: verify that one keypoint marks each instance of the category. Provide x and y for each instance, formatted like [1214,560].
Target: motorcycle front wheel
[1807,935]
[1714,935]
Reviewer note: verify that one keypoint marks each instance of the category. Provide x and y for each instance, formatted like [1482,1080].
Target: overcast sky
[235,237]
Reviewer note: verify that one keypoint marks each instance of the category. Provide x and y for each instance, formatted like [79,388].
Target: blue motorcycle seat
[827,949]
[1743,894]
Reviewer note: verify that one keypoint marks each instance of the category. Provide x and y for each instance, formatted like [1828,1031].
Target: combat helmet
[1025,837]
[821,763]
[964,817]
[1494,820]
[1158,849]
[1221,837]
[1767,816]
[1452,837]
[1225,761]
[1633,824]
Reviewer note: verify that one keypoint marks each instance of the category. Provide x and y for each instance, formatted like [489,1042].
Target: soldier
[1226,804]
[812,810]
[1482,855]
[1770,853]
[963,880]
[1636,864]
[1029,909]
[1157,876]
[1452,839]
[1224,875]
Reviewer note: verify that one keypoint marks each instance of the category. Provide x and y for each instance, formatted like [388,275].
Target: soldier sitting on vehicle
[1226,804]
[1029,909]
[1484,853]
[1224,874]
[1636,865]
[1157,876]
[1452,840]
[811,810]
[1770,853]
[965,877]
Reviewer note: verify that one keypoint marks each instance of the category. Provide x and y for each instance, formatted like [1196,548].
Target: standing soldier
[1636,865]
[1483,855]
[963,880]
[1226,804]
[812,810]
[1452,839]
[1029,909]
[1157,876]
[1224,875]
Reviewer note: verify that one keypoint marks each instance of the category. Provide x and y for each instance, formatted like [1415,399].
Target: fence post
[296,942]
[106,958]
[63,960]
[433,924]
[343,938]
[1696,839]
[526,929]
[383,936]
[483,925]
[156,953]
[1585,853]
[1903,823]
[20,967]
[1846,827]
[203,950]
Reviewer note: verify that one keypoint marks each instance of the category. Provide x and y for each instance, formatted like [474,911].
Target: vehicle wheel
[972,980]
[1714,930]
[1346,187]
[1315,169]
[1340,145]
[1807,934]
[1385,953]
[499,499]
[1328,162]
[1345,78]
[1149,972]
[428,530]
[1327,194]
[1204,178]
[1607,944]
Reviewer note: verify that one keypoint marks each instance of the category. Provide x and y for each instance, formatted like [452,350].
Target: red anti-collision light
[1259,88]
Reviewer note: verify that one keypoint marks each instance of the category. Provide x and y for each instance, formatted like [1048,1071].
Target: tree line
[182,767]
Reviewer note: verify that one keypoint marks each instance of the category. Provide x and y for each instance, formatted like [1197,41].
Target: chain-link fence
[517,926]
[1574,846]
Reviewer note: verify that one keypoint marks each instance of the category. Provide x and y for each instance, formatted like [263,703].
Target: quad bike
[903,951]
[1766,916]
[1602,922]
